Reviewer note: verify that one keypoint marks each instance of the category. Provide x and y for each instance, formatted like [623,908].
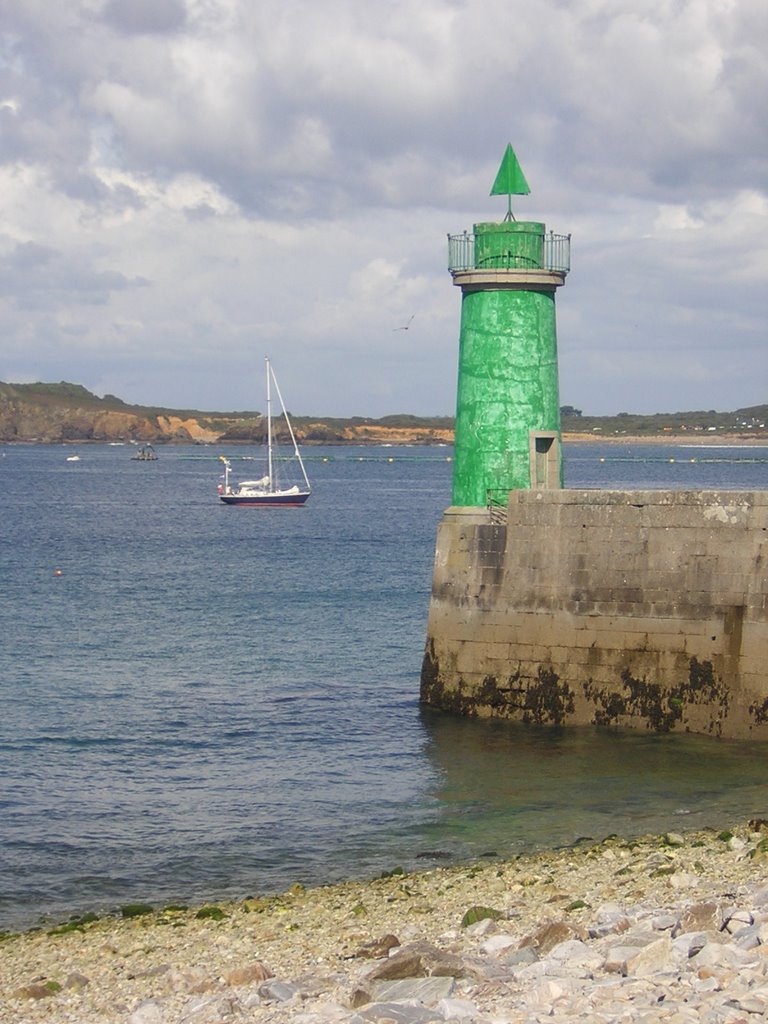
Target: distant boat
[272,488]
[73,458]
[145,454]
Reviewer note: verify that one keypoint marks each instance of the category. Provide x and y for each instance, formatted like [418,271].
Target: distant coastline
[416,439]
[704,441]
[67,413]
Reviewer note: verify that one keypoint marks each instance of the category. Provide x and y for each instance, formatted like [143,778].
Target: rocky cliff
[49,413]
[54,413]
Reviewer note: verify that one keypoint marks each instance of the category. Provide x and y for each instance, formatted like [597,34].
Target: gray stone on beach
[151,972]
[208,1010]
[76,980]
[519,957]
[640,961]
[748,938]
[486,926]
[34,991]
[641,935]
[399,1013]
[248,974]
[755,1001]
[547,992]
[574,953]
[736,918]
[417,960]
[722,955]
[278,991]
[376,987]
[193,980]
[665,923]
[700,917]
[377,948]
[428,991]
[496,944]
[551,934]
[609,920]
[689,944]
[457,1009]
[150,1011]
[658,861]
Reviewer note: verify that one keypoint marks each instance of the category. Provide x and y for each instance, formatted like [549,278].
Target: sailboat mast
[296,451]
[269,423]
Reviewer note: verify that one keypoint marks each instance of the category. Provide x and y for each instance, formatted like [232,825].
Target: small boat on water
[73,458]
[145,454]
[271,489]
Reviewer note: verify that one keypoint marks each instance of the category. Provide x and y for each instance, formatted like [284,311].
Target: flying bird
[405,326]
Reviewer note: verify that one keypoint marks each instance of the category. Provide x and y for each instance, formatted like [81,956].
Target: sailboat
[268,490]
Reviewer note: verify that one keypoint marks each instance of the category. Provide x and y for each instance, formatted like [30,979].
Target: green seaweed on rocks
[210,914]
[475,914]
[760,851]
[136,910]
[576,905]
[65,929]
[75,924]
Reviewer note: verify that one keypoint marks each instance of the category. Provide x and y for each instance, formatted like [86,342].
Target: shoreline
[558,927]
[719,441]
[417,440]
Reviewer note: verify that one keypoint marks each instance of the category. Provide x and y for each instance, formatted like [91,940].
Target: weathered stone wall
[631,608]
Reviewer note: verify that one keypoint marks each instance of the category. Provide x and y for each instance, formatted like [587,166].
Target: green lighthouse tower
[508,407]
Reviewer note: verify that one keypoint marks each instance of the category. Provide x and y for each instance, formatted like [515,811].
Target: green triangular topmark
[510,181]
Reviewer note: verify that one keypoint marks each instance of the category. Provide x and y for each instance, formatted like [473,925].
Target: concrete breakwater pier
[667,928]
[632,608]
[550,606]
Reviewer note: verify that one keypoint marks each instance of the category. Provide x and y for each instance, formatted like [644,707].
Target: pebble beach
[664,928]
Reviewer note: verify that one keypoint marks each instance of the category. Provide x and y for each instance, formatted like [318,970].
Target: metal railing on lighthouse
[556,255]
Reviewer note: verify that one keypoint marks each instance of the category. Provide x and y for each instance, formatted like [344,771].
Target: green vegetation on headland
[55,413]
[752,422]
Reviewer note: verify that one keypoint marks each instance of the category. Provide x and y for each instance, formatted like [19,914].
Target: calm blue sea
[200,702]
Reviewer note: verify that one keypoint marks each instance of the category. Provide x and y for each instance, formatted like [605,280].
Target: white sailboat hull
[267,491]
[250,496]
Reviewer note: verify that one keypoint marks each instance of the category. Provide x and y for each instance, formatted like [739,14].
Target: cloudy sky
[188,185]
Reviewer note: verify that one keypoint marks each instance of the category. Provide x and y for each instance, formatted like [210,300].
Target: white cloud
[198,180]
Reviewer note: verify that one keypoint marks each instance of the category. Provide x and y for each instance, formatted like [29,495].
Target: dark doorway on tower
[546,461]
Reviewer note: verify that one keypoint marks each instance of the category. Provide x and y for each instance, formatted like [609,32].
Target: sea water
[202,702]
